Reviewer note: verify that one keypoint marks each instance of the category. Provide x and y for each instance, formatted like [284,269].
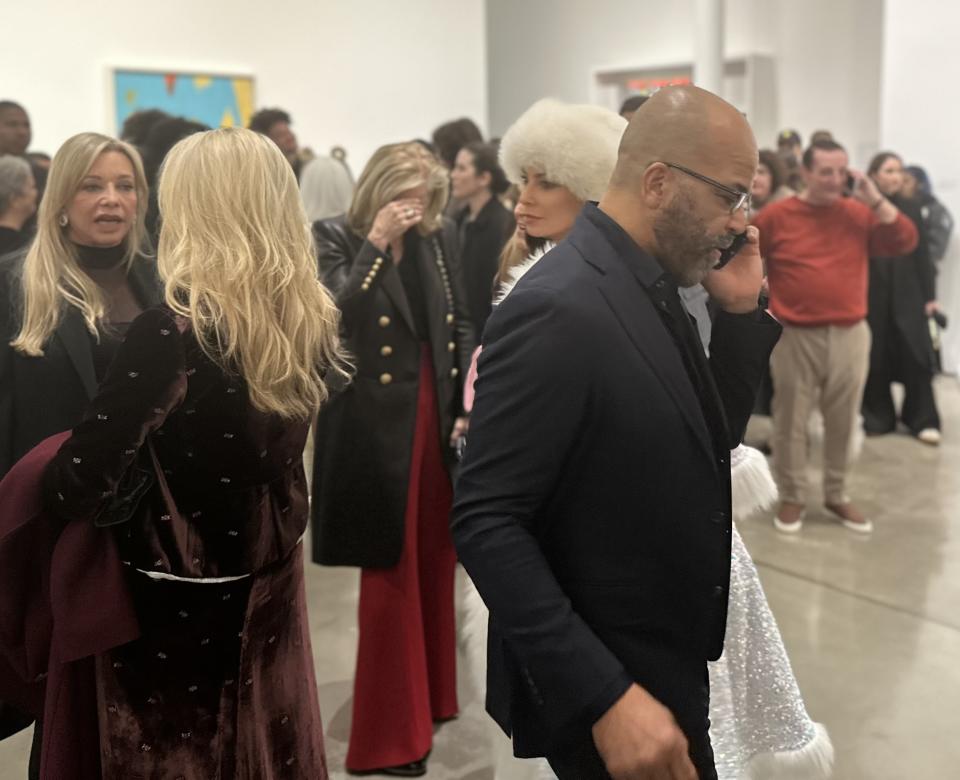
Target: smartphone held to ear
[726,255]
[851,185]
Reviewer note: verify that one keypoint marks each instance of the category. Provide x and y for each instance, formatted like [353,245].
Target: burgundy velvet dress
[221,682]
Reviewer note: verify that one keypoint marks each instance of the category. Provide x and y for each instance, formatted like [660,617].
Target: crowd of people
[182,304]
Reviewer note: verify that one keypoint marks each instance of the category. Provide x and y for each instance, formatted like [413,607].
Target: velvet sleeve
[145,382]
[893,240]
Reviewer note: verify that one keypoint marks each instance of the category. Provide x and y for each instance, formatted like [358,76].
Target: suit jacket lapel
[73,334]
[635,312]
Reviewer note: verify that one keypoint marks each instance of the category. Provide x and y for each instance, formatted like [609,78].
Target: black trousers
[681,685]
[893,360]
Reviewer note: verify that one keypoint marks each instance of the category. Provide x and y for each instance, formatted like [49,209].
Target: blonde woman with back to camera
[216,388]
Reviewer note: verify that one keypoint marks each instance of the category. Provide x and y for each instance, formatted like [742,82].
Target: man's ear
[655,185]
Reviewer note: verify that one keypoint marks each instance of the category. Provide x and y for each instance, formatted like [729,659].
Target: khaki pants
[828,364]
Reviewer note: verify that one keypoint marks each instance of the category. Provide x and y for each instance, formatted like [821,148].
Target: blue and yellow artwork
[216,101]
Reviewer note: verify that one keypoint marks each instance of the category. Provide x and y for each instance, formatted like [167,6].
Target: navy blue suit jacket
[593,506]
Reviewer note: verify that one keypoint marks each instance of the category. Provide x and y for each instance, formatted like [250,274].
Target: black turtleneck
[100,258]
[105,266]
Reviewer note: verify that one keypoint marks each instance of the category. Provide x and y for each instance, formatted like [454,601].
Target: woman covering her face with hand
[384,449]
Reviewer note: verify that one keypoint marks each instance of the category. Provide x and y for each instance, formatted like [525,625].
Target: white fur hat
[571,145]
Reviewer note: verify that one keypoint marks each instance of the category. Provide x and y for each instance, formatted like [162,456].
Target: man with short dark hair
[275,124]
[817,247]
[15,132]
[593,505]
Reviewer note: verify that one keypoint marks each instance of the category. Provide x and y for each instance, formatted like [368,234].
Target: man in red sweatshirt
[816,247]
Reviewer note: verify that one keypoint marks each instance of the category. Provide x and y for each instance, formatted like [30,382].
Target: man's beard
[685,248]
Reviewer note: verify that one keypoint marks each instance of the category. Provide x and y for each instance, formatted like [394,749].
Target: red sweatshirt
[818,256]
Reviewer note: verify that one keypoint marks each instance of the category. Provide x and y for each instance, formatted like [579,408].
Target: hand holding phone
[726,255]
[735,287]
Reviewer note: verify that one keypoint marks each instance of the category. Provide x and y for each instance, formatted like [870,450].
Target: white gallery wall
[827,54]
[358,73]
[921,117]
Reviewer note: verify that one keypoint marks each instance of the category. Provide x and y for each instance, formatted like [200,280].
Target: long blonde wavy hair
[237,258]
[393,169]
[52,276]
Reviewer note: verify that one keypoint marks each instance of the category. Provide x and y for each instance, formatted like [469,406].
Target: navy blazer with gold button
[365,433]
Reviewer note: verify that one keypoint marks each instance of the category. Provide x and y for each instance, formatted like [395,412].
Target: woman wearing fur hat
[563,155]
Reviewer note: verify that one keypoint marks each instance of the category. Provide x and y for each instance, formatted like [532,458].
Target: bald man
[593,505]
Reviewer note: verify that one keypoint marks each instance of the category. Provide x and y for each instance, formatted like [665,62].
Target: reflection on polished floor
[872,624]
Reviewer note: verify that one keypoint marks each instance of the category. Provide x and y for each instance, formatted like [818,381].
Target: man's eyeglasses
[737,199]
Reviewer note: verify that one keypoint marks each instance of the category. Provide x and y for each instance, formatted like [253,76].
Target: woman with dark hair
[770,182]
[163,135]
[484,224]
[450,137]
[382,490]
[902,296]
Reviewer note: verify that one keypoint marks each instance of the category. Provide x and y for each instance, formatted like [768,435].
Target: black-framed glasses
[739,199]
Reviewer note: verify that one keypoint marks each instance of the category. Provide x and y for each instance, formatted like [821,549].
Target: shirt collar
[643,265]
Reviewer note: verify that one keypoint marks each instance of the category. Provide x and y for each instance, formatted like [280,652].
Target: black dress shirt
[662,288]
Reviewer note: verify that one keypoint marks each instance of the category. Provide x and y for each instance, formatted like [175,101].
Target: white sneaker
[930,436]
[794,521]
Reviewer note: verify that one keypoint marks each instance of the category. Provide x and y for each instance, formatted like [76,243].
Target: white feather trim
[751,481]
[516,273]
[814,761]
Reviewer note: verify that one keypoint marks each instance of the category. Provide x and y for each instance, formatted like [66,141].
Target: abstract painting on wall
[214,100]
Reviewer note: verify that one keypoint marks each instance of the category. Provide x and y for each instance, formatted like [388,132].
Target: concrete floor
[872,625]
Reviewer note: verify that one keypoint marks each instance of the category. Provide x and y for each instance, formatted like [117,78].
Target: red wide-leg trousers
[406,662]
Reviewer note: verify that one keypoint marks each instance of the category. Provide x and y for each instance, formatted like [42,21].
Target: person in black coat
[484,224]
[55,349]
[593,506]
[384,446]
[901,298]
